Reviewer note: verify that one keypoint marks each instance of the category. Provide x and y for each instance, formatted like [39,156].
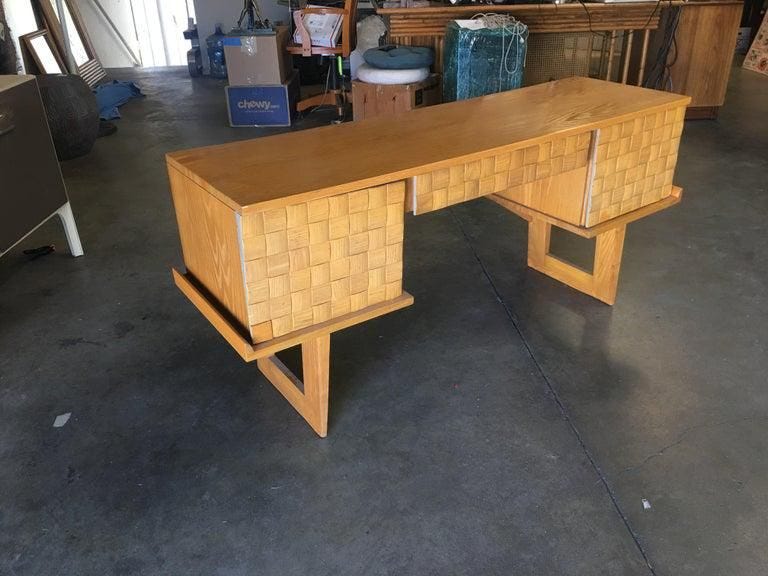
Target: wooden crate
[376,100]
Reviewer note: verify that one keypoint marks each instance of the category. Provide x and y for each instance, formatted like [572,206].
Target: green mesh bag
[485,60]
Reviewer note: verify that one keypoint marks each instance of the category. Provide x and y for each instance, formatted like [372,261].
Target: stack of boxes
[263,87]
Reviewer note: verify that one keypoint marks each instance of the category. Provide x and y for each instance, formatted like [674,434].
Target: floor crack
[683,435]
[566,416]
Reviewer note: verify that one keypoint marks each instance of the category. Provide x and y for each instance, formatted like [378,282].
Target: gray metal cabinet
[31,187]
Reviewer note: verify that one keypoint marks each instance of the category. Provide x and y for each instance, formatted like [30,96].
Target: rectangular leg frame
[601,283]
[312,403]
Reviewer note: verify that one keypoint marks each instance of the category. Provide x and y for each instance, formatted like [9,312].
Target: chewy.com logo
[256,105]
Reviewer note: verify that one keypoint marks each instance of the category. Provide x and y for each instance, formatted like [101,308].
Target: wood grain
[377,151]
[210,242]
[560,195]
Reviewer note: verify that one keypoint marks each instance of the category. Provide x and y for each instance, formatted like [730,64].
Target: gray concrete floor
[504,424]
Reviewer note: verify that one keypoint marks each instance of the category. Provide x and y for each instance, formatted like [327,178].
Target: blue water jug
[215,44]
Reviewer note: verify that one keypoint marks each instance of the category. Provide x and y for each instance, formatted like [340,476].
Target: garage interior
[505,423]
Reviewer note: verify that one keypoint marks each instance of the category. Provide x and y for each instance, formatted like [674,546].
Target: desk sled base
[290,238]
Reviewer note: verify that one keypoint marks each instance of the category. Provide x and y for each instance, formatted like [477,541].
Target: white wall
[226,12]
[21,20]
[106,43]
[152,28]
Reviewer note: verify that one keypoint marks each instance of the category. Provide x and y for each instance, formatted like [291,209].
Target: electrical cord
[605,35]
[659,74]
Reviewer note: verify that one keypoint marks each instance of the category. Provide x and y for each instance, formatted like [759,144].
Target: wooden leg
[608,251]
[312,404]
[331,98]
[601,283]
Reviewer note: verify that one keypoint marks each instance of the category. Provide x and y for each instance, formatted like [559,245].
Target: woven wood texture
[448,186]
[635,164]
[311,262]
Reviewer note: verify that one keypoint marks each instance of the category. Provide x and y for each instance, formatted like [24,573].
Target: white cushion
[366,73]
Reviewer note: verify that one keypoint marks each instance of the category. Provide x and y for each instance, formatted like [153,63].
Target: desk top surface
[294,167]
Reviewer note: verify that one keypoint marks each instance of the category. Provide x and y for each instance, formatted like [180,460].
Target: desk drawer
[310,262]
[634,164]
[582,179]
[549,177]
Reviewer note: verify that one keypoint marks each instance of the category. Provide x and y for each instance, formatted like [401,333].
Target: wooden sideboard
[289,238]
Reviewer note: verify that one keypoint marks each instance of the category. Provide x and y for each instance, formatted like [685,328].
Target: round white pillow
[372,75]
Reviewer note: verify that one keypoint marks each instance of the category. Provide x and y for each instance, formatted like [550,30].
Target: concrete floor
[504,424]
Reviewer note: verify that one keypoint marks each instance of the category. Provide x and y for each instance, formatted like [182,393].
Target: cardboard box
[258,59]
[376,100]
[271,105]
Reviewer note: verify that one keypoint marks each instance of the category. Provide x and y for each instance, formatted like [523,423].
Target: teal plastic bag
[480,59]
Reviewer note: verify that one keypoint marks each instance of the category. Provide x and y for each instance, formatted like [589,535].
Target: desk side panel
[210,242]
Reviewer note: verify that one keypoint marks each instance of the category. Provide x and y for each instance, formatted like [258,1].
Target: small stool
[376,100]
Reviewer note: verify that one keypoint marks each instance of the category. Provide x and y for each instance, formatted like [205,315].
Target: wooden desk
[289,238]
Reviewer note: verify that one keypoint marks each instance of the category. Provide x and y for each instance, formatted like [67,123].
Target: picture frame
[45,55]
[86,63]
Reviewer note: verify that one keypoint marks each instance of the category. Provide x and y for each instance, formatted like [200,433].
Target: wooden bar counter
[613,41]
[289,238]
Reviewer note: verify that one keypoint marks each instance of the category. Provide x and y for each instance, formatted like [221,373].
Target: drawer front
[308,263]
[32,187]
[635,163]
[549,177]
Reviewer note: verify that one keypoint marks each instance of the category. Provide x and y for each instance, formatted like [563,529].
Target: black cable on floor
[550,387]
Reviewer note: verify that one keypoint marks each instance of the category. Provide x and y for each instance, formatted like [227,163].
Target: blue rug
[111,96]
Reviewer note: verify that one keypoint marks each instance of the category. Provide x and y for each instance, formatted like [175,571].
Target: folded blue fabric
[110,96]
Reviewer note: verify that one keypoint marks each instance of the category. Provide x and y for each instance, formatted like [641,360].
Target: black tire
[73,114]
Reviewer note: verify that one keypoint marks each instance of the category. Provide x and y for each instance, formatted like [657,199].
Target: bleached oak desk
[289,238]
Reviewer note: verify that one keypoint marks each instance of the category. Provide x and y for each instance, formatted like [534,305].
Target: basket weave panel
[635,164]
[494,174]
[311,262]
